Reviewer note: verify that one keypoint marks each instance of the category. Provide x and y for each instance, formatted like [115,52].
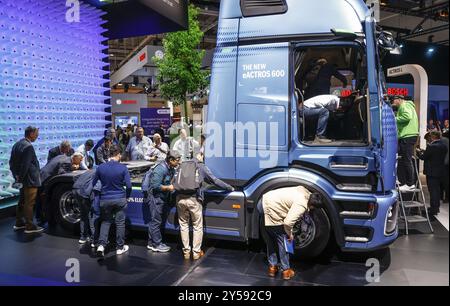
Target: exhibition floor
[417,259]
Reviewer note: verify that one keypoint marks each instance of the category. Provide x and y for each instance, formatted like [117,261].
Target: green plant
[180,70]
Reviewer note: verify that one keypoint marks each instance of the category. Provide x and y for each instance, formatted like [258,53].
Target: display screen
[124,121]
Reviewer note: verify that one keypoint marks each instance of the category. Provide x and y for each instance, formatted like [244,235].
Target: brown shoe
[273,270]
[197,256]
[288,274]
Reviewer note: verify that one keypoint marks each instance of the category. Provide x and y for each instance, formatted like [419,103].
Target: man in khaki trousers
[190,207]
[24,166]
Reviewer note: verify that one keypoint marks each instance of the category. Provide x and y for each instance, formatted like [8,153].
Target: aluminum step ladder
[412,210]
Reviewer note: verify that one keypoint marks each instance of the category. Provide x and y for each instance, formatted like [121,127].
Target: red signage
[398,91]
[346,93]
[129,102]
[142,57]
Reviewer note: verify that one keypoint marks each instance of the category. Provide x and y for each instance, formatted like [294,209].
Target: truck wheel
[65,208]
[311,234]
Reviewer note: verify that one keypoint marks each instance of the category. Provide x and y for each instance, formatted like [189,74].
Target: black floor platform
[417,259]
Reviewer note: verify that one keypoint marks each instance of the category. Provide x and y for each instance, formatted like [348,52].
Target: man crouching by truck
[281,209]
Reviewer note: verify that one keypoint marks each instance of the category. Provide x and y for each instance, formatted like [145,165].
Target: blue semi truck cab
[259,138]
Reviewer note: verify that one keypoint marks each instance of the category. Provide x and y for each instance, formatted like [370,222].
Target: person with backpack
[190,195]
[157,187]
[85,194]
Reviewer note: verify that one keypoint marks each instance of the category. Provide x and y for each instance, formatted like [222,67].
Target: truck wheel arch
[281,182]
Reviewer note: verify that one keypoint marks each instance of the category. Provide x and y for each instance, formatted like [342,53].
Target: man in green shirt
[408,132]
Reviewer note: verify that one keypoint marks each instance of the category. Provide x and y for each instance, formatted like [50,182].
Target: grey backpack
[186,180]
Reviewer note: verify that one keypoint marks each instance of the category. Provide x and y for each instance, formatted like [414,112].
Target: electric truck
[259,139]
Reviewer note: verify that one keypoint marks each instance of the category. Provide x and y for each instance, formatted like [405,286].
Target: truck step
[356,239]
[415,219]
[417,190]
[412,204]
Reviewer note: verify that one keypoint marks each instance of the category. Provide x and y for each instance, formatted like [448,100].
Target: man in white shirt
[139,146]
[321,106]
[159,149]
[85,150]
[186,146]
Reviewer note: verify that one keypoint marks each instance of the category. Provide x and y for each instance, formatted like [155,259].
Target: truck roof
[301,18]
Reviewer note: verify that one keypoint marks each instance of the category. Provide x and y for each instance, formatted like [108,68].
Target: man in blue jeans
[113,176]
[280,210]
[158,196]
[321,106]
[85,194]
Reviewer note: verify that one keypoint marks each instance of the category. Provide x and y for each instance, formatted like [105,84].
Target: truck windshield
[330,86]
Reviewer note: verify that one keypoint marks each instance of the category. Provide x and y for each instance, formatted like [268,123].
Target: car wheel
[66,209]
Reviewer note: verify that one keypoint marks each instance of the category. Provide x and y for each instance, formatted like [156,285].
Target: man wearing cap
[158,189]
[408,132]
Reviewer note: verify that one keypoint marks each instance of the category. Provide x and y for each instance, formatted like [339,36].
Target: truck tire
[312,234]
[65,209]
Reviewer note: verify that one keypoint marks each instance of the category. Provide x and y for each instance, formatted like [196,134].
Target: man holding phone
[159,193]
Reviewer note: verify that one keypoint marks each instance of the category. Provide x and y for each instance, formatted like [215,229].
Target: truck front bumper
[383,227]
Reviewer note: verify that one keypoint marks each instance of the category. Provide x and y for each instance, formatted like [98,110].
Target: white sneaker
[83,240]
[101,251]
[123,250]
[406,188]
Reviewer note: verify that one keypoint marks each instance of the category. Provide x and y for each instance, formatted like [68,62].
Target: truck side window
[330,86]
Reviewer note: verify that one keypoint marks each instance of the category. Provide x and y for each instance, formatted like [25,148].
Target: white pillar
[420,94]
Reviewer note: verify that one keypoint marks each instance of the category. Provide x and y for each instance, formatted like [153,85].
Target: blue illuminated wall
[51,76]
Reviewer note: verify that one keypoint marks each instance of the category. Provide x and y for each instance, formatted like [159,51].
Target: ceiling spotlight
[430,50]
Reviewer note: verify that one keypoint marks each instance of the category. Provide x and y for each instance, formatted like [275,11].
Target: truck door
[262,101]
[382,120]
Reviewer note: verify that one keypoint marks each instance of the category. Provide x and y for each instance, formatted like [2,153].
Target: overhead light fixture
[119,84]
[431,50]
[111,55]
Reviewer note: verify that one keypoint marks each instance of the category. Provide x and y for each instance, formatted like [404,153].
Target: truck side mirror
[387,42]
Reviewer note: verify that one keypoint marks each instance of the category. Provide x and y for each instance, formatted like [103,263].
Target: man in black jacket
[318,78]
[24,166]
[65,148]
[434,169]
[86,194]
